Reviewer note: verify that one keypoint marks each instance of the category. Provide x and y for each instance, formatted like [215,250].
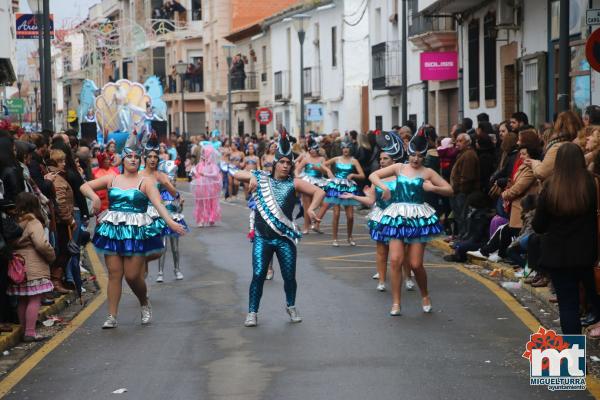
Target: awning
[7,73]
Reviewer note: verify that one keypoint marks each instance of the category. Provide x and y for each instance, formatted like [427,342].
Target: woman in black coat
[565,220]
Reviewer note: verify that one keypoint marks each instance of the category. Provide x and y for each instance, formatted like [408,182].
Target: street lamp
[228,48]
[41,10]
[181,69]
[20,78]
[300,21]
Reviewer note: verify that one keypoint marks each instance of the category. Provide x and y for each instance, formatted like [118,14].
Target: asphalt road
[347,347]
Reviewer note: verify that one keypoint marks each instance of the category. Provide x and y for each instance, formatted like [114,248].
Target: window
[530,87]
[473,61]
[263,75]
[377,27]
[196,10]
[379,122]
[334,46]
[489,55]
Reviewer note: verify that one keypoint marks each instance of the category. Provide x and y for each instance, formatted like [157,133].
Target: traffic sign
[264,116]
[592,50]
[15,106]
[592,17]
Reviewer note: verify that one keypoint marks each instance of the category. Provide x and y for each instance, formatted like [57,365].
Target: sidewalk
[13,338]
[502,271]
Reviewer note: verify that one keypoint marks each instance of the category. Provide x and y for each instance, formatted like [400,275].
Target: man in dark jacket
[464,179]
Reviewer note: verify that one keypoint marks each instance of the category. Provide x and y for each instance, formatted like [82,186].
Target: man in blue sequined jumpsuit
[275,231]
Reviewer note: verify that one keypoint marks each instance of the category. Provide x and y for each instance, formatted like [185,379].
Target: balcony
[244,89]
[162,29]
[312,82]
[386,65]
[193,87]
[281,86]
[432,33]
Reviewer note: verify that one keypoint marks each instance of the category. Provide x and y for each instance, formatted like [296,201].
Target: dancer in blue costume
[156,169]
[409,220]
[125,233]
[392,152]
[275,231]
[310,169]
[345,169]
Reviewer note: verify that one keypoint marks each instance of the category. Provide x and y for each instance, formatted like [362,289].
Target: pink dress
[206,187]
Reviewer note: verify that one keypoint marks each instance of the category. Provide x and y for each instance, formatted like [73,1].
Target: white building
[8,66]
[336,69]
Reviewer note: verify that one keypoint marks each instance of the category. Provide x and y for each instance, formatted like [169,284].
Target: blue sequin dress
[408,218]
[313,176]
[340,184]
[126,229]
[174,208]
[377,211]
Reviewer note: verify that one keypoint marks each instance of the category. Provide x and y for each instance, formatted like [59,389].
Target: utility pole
[404,72]
[564,55]
[47,98]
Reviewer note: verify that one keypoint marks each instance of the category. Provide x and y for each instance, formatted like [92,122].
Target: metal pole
[229,105]
[35,91]
[183,130]
[301,36]
[47,98]
[40,23]
[564,54]
[20,114]
[404,72]
[426,102]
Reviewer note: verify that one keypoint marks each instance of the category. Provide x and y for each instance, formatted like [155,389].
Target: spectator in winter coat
[464,179]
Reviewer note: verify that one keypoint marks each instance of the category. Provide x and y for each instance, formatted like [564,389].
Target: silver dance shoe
[146,314]
[251,319]
[294,315]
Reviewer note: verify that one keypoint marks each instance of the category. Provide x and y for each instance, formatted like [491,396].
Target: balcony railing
[420,24]
[192,83]
[281,85]
[243,82]
[312,82]
[386,65]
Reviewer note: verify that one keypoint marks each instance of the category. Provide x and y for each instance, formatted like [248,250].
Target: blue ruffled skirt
[128,234]
[410,223]
[336,187]
[172,205]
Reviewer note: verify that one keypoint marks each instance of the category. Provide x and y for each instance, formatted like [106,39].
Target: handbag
[597,265]
[495,191]
[16,269]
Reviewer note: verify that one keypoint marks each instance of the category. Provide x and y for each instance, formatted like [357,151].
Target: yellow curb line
[528,319]
[26,366]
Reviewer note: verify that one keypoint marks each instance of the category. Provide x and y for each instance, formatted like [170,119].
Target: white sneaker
[146,314]
[476,254]
[519,273]
[381,287]
[494,257]
[251,319]
[335,243]
[410,284]
[294,315]
[178,275]
[160,278]
[110,323]
[376,276]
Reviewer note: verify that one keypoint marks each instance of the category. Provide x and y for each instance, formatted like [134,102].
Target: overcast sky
[67,13]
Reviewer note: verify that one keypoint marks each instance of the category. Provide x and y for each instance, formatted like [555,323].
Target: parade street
[347,347]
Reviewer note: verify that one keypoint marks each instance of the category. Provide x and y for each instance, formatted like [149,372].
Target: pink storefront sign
[442,66]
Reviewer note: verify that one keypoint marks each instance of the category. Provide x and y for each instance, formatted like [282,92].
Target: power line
[361,16]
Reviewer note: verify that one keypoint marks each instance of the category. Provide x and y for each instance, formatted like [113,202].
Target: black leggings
[500,241]
[566,282]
